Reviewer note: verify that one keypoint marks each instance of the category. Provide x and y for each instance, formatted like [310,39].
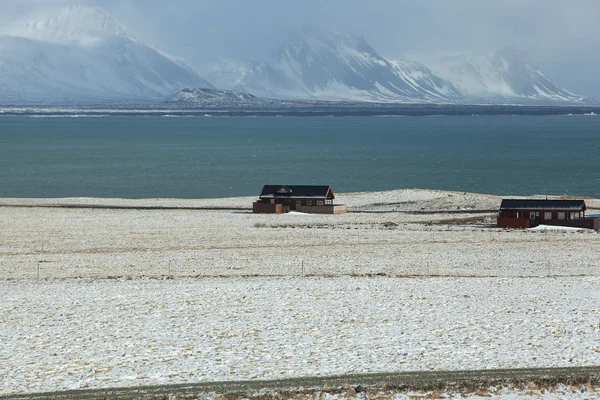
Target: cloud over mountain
[504,75]
[81,54]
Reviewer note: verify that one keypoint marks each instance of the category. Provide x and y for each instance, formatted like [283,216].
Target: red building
[277,199]
[528,213]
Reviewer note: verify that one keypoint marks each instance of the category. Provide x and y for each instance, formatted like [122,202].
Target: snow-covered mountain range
[501,76]
[331,66]
[322,65]
[79,54]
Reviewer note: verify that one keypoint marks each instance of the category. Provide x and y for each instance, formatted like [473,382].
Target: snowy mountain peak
[80,24]
[80,54]
[327,65]
[504,75]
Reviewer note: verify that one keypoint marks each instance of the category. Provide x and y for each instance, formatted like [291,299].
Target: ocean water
[195,157]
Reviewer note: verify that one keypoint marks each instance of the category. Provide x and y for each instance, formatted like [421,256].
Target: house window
[531,215]
[320,202]
[574,215]
[298,203]
[561,215]
[547,215]
[309,203]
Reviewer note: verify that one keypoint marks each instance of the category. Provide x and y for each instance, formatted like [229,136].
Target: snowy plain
[76,334]
[412,280]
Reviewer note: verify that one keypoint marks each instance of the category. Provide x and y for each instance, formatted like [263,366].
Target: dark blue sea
[220,156]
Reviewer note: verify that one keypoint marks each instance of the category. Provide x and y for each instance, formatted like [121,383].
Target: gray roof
[541,204]
[295,191]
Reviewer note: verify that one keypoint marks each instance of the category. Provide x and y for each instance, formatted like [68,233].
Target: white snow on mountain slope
[81,54]
[317,65]
[333,66]
[502,75]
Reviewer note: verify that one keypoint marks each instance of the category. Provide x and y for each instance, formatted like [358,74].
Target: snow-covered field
[408,232]
[74,334]
[416,281]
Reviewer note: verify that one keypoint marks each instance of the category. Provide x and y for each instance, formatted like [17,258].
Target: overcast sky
[561,37]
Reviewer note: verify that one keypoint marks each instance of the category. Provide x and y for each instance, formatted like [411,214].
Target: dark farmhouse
[528,213]
[277,199]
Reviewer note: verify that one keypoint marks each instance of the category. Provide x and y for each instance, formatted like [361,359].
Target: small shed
[528,213]
[316,199]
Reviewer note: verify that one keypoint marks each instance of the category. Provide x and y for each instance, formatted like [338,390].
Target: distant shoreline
[300,110]
[240,203]
[407,196]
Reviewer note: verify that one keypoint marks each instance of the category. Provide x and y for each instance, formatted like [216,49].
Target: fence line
[219,265]
[359,253]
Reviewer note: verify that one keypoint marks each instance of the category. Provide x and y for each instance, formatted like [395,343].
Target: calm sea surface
[193,157]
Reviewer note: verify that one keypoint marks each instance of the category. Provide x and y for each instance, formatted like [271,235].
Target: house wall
[293,203]
[540,217]
[259,207]
[266,208]
[510,220]
[296,204]
[513,223]
[574,223]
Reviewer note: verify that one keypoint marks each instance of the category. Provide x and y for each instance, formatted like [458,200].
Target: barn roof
[541,204]
[295,191]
